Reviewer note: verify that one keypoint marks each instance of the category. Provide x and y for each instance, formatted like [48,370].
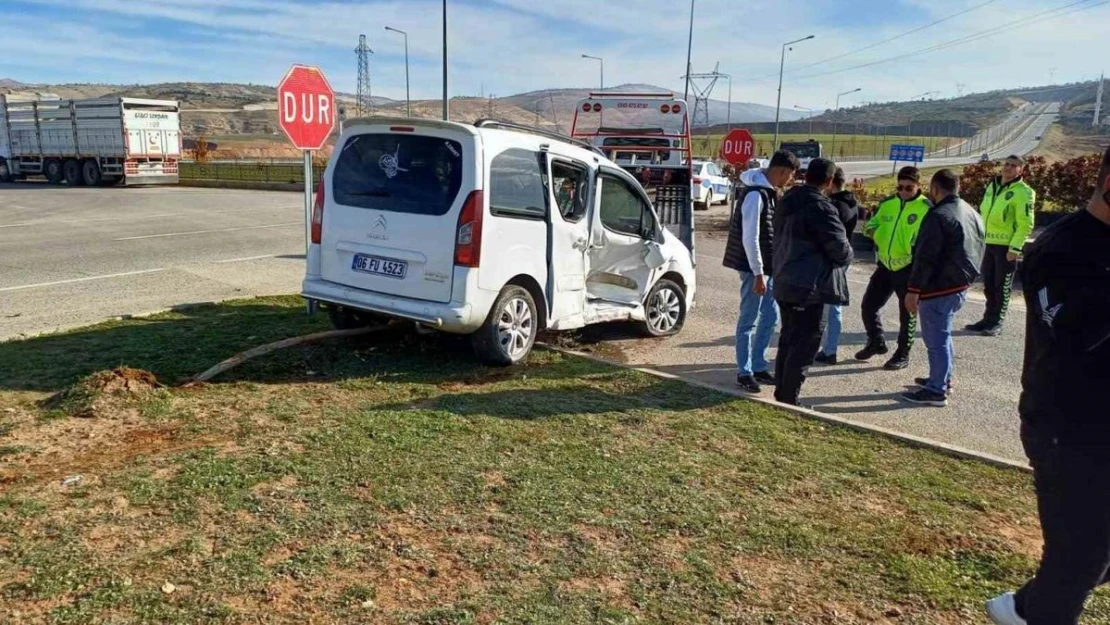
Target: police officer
[894,229]
[1007,211]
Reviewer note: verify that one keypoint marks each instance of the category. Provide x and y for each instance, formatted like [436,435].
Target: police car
[711,186]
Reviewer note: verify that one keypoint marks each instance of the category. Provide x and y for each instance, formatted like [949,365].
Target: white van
[491,230]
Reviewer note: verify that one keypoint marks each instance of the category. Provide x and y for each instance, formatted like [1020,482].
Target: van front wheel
[509,332]
[664,309]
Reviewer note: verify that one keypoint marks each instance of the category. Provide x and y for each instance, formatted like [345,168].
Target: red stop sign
[306,107]
[738,147]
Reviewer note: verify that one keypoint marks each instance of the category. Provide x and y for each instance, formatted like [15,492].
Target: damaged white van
[492,230]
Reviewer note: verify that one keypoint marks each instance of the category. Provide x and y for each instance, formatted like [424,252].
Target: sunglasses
[908,188]
[1014,165]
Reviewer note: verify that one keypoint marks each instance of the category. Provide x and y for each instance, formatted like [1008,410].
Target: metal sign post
[307,201]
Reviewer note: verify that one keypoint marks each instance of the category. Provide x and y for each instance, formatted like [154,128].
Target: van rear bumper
[451,317]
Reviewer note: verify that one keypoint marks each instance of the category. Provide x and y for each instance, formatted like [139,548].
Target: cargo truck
[101,141]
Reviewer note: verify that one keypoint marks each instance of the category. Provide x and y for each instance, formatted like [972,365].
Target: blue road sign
[907,153]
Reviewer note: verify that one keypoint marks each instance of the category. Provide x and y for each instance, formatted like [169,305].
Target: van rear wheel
[509,332]
[664,309]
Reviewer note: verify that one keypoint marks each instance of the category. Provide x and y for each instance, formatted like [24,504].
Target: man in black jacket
[1065,425]
[946,261]
[811,258]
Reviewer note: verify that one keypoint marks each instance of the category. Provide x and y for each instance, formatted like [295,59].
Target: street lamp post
[446,108]
[408,100]
[837,110]
[810,116]
[602,62]
[689,50]
[778,103]
[728,115]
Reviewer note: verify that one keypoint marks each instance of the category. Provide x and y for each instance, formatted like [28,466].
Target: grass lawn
[390,480]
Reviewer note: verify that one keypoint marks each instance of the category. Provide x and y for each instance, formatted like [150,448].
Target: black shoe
[897,362]
[923,382]
[992,330]
[748,383]
[925,397]
[825,359]
[873,348]
[978,326]
[764,377]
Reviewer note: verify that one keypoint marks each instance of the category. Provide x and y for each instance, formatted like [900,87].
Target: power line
[888,40]
[1018,23]
[895,37]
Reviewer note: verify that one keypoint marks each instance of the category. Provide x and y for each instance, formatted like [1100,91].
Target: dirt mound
[95,394]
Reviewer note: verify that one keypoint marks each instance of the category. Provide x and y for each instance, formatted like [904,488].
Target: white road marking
[57,282]
[18,225]
[181,234]
[245,258]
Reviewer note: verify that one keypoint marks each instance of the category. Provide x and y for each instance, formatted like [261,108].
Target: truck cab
[806,151]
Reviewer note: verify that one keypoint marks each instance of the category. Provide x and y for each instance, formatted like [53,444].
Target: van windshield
[399,173]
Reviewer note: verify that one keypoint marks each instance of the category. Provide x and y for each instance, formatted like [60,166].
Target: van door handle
[579,244]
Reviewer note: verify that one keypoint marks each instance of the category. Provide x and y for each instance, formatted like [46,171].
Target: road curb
[916,441]
[241,185]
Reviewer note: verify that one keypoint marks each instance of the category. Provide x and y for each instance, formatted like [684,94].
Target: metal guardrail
[247,171]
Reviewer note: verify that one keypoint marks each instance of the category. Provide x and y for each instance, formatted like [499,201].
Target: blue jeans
[936,316]
[834,314]
[756,326]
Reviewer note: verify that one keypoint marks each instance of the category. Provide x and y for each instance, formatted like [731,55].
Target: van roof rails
[495,123]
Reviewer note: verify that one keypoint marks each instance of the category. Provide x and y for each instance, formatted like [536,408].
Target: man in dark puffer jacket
[811,259]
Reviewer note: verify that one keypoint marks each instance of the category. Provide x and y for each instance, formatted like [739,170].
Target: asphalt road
[982,414]
[70,257]
[1043,117]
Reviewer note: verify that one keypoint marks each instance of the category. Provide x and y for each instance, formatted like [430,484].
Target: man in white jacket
[749,251]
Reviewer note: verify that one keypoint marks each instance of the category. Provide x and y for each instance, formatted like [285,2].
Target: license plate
[387,267]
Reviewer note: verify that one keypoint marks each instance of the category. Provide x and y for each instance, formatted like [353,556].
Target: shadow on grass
[177,345]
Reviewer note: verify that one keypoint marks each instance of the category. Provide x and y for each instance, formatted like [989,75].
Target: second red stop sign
[738,147]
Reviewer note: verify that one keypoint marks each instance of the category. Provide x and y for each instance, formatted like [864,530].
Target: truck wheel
[507,336]
[90,173]
[665,309]
[52,169]
[71,169]
[5,171]
[349,319]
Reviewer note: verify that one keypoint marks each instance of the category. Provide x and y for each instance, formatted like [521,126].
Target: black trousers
[882,285]
[998,281]
[799,339]
[1073,499]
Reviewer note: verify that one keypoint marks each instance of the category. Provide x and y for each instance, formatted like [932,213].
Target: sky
[503,47]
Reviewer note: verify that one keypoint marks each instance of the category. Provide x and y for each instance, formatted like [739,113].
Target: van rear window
[399,173]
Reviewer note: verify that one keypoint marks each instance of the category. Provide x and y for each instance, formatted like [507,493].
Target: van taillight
[318,212]
[697,180]
[468,237]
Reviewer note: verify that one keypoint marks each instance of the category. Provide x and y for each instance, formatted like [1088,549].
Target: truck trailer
[100,141]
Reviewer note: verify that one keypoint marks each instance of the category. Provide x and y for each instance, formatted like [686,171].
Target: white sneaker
[1003,610]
